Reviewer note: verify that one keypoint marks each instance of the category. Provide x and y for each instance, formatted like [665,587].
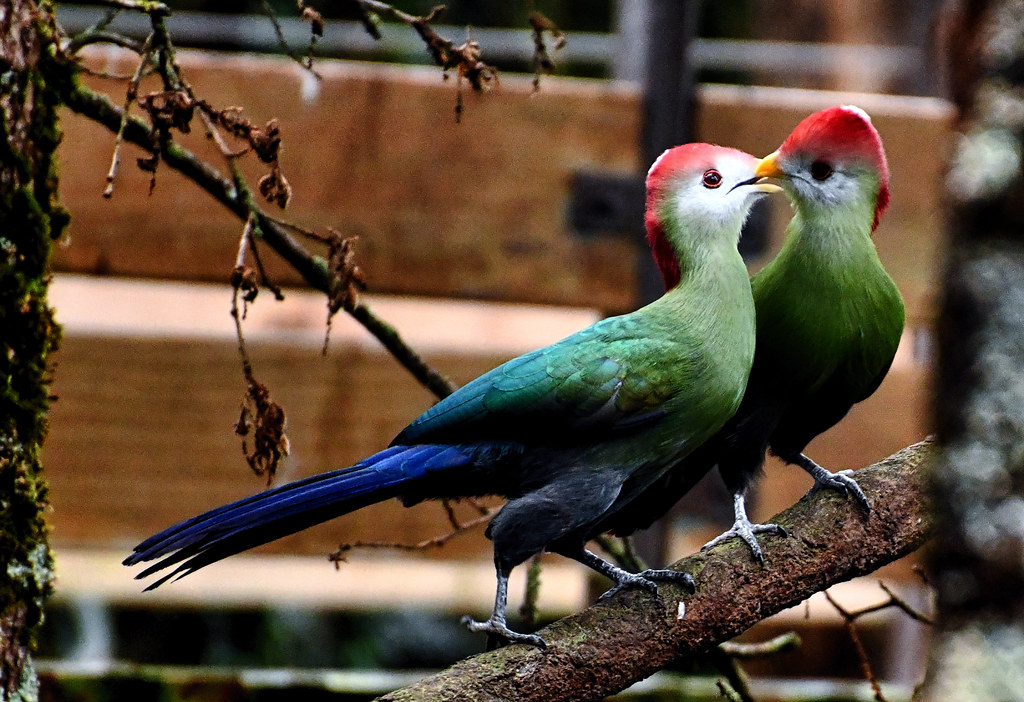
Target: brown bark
[613,644]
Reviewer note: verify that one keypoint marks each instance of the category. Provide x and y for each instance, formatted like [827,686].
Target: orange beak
[769,168]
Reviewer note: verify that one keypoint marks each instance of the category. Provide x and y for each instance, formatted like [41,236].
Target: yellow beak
[769,168]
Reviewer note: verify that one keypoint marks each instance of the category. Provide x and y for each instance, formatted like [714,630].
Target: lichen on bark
[30,220]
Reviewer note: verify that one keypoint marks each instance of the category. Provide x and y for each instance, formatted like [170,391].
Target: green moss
[30,219]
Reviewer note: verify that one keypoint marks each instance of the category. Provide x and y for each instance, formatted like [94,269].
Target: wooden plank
[366,582]
[142,431]
[469,210]
[442,209]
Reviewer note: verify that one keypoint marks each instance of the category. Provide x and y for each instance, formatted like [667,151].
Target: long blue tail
[284,510]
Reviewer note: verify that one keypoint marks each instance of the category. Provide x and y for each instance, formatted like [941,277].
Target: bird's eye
[820,170]
[712,179]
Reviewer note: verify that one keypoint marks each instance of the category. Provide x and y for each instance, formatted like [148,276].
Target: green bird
[829,320]
[569,433]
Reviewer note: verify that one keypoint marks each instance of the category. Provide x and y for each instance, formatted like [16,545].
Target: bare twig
[728,692]
[783,642]
[259,415]
[340,554]
[849,620]
[130,94]
[736,684]
[465,58]
[317,30]
[902,605]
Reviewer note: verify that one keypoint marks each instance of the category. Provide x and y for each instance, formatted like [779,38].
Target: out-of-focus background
[480,240]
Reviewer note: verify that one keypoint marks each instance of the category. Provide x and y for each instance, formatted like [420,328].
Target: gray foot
[744,529]
[498,628]
[648,580]
[747,531]
[842,481]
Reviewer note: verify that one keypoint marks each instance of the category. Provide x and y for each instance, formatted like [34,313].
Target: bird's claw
[842,481]
[648,580]
[747,531]
[498,628]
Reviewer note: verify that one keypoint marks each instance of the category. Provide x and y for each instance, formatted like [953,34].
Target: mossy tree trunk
[978,652]
[29,222]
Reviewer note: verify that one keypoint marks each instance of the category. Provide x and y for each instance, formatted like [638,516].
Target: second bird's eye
[820,170]
[712,178]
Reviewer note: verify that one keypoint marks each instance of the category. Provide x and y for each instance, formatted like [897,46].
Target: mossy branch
[613,644]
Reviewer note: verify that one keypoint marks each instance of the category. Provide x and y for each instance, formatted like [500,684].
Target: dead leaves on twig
[543,64]
[274,187]
[260,416]
[465,59]
[264,420]
[347,278]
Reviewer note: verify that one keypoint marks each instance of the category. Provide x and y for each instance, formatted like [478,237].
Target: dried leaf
[265,420]
[315,19]
[275,188]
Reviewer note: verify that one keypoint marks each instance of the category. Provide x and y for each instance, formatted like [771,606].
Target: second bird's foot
[649,579]
[499,629]
[748,532]
[842,481]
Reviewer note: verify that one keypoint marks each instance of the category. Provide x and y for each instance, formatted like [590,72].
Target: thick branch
[607,647]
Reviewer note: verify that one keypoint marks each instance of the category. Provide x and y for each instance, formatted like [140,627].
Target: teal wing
[599,379]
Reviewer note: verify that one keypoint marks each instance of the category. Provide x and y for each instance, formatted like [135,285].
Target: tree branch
[314,269]
[613,644]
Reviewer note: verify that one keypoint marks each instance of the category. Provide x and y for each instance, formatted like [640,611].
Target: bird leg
[834,481]
[744,529]
[496,626]
[623,579]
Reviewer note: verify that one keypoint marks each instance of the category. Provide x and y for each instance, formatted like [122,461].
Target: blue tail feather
[284,510]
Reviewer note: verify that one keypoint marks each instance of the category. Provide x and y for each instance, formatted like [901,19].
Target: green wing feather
[597,379]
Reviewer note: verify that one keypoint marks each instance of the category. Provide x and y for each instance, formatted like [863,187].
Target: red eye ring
[711,179]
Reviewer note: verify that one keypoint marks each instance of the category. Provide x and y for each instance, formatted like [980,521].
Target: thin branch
[902,605]
[464,58]
[543,64]
[531,594]
[783,642]
[130,94]
[99,36]
[849,623]
[736,685]
[307,62]
[339,554]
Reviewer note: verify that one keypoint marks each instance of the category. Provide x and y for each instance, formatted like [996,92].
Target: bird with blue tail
[568,434]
